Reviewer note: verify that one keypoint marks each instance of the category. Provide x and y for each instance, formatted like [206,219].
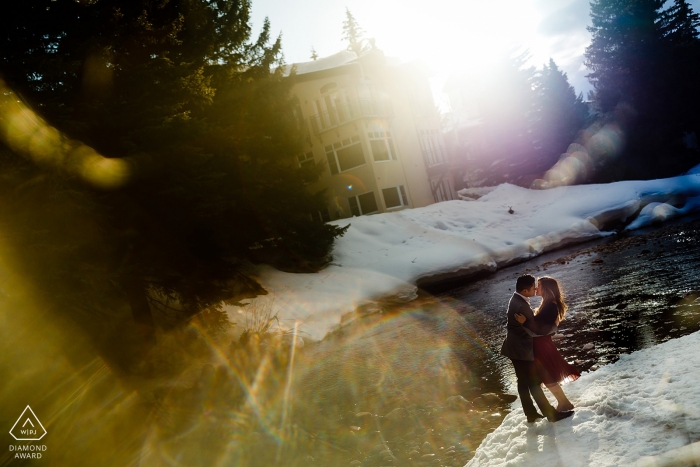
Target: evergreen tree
[314,55]
[180,92]
[624,50]
[680,24]
[559,113]
[682,37]
[353,34]
[639,60]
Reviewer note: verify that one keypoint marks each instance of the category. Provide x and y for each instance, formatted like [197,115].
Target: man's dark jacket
[518,343]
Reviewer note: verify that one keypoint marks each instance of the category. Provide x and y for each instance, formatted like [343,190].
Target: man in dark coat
[518,348]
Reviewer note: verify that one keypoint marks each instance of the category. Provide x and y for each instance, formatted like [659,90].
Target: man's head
[525,285]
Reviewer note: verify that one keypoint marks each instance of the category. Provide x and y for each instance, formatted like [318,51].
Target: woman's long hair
[552,293]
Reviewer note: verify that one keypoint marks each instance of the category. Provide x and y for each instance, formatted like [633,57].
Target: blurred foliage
[202,117]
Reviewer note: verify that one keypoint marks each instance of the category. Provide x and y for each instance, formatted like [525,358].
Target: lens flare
[29,135]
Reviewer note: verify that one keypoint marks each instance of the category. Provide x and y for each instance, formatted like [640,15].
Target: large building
[374,126]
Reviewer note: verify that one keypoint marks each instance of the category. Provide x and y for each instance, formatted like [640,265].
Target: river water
[423,383]
[630,293]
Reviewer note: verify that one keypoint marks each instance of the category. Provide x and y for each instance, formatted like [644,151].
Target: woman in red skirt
[550,365]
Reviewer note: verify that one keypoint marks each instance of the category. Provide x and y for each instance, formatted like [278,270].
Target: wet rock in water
[558,336]
[490,398]
[478,402]
[397,414]
[597,261]
[426,447]
[377,448]
[588,346]
[458,403]
[508,398]
[621,306]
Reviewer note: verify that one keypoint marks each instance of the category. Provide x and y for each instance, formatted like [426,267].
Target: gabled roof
[343,57]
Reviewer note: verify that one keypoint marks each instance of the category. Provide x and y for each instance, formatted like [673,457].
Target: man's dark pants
[529,383]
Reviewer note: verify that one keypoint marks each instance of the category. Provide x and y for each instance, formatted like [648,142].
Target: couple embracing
[529,346]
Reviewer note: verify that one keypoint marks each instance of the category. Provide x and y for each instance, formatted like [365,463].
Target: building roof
[344,57]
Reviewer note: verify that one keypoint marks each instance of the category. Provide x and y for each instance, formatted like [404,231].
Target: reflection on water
[624,295]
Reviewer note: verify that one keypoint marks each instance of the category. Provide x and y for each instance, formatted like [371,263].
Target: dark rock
[508,398]
[491,398]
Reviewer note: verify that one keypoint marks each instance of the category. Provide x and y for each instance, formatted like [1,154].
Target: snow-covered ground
[645,404]
[387,254]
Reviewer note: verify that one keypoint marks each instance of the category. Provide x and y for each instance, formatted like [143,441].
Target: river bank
[390,255]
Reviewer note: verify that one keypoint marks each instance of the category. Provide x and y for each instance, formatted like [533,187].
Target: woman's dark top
[551,367]
[548,314]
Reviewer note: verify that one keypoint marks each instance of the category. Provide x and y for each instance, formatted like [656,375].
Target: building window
[433,147]
[395,197]
[332,108]
[442,191]
[382,146]
[306,159]
[345,155]
[365,203]
[321,216]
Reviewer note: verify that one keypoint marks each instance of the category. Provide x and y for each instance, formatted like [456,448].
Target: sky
[448,35]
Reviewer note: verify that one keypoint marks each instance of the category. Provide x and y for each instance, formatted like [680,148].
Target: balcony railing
[351,111]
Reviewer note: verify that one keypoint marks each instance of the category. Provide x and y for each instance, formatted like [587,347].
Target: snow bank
[388,254]
[645,404]
[470,194]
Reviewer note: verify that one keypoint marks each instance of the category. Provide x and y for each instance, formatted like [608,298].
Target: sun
[454,35]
